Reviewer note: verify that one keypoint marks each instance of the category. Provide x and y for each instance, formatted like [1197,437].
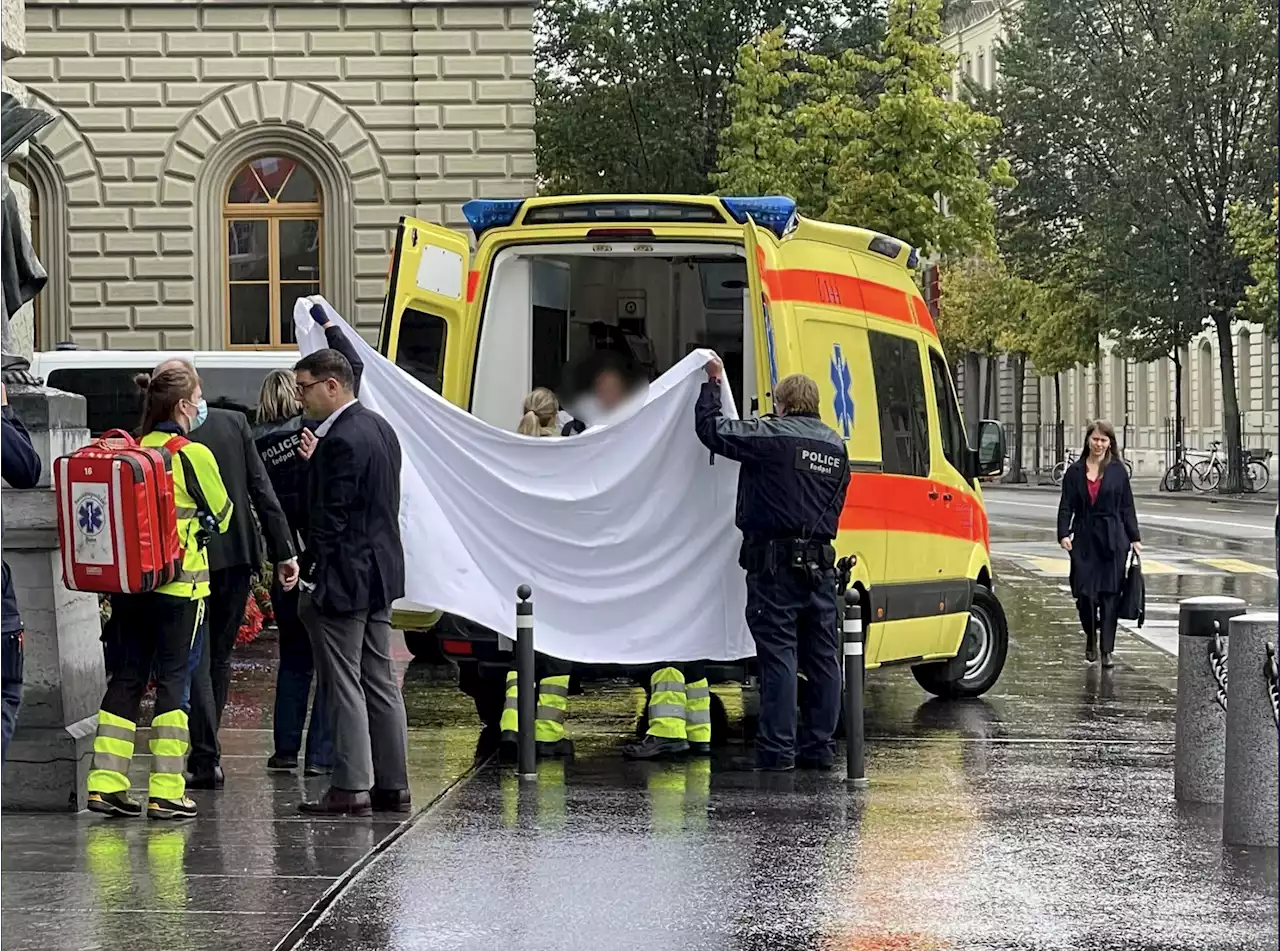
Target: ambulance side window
[420,349]
[901,401]
[949,422]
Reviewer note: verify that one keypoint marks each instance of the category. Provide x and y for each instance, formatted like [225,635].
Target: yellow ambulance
[552,278]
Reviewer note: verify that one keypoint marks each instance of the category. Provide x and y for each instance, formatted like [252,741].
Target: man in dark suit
[234,557]
[353,571]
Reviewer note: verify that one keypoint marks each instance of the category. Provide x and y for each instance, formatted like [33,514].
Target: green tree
[1253,234]
[631,93]
[1133,127]
[866,138]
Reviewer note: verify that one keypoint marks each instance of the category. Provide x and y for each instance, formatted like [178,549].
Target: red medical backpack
[117,524]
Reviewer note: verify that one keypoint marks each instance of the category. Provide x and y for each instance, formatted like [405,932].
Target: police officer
[795,472]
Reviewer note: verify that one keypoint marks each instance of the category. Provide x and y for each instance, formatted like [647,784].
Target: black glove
[318,315]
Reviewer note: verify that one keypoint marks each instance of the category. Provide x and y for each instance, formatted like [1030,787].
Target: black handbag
[1133,594]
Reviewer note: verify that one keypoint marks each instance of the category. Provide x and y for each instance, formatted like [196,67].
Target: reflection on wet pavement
[242,874]
[1040,817]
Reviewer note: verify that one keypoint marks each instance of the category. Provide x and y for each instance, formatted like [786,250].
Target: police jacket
[795,470]
[20,466]
[278,442]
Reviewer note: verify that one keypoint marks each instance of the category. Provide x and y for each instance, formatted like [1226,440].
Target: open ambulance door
[760,334]
[425,322]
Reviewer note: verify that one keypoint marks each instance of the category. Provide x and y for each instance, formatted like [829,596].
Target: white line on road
[1262,530]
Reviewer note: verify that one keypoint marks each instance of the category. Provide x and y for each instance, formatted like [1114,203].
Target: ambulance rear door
[761,330]
[426,323]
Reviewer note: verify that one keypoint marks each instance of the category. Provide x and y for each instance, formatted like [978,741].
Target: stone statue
[21,275]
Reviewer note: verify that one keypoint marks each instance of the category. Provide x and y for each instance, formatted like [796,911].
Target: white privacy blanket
[625,532]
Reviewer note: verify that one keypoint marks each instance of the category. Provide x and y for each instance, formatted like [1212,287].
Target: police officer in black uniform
[795,472]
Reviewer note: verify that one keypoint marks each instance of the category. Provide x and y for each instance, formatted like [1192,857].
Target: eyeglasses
[303,387]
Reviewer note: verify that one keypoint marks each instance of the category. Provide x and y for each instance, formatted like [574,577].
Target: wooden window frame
[273,213]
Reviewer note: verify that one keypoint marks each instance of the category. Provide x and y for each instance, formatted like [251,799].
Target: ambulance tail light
[456,648]
[620,233]
[777,213]
[484,214]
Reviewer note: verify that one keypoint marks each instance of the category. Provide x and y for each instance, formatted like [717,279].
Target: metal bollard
[853,669]
[527,685]
[1251,784]
[1200,730]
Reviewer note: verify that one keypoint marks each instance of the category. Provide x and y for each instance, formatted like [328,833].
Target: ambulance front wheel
[981,656]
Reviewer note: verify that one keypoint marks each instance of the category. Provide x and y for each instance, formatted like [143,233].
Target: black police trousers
[794,623]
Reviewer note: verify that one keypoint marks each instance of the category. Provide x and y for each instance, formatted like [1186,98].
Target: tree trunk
[988,378]
[972,393]
[1019,361]
[1179,437]
[1057,419]
[1097,387]
[1230,404]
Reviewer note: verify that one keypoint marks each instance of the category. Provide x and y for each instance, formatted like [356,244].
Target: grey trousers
[366,709]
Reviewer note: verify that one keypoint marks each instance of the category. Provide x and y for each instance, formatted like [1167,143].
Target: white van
[231,378]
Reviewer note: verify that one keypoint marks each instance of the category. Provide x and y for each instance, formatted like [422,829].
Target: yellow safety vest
[193,578]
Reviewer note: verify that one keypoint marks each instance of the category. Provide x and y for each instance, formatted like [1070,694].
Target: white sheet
[625,533]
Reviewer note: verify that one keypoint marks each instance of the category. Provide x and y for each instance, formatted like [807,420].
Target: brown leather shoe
[390,800]
[339,802]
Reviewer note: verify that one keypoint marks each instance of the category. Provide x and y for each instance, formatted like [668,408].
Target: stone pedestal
[64,678]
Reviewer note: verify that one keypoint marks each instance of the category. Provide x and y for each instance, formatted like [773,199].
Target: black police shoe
[207,779]
[559,749]
[656,747]
[823,764]
[282,763]
[699,749]
[114,804]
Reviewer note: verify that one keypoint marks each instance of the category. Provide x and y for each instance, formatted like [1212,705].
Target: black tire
[425,647]
[1205,476]
[1058,472]
[1176,478]
[985,647]
[1128,468]
[1256,476]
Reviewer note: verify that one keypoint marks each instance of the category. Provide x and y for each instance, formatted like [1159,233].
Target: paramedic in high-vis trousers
[791,489]
[541,418]
[157,627]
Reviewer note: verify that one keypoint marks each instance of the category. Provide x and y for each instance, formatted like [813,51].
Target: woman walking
[1098,526]
[156,628]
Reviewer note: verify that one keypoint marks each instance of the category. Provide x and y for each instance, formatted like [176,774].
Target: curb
[1262,499]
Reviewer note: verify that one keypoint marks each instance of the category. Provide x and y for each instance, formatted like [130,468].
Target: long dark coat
[1102,531]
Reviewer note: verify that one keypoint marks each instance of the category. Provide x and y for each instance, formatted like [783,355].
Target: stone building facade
[1139,398]
[216,159]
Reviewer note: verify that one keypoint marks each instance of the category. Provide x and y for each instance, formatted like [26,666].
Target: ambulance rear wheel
[982,653]
[425,647]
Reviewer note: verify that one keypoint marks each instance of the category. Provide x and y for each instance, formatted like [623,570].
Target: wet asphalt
[1040,817]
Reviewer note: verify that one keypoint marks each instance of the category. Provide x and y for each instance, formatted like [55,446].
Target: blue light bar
[775,212]
[913,259]
[486,213]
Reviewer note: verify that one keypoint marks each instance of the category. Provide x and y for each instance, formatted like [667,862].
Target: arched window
[982,67]
[1244,371]
[272,217]
[18,174]
[1204,403]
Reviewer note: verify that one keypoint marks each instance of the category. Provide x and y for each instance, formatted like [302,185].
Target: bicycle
[1061,468]
[1206,475]
[1177,478]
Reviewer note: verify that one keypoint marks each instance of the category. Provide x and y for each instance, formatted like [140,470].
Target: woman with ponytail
[155,629]
[541,414]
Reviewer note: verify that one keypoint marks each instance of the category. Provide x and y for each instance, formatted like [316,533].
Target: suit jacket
[226,432]
[353,552]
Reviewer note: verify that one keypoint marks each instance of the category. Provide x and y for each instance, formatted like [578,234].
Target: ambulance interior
[549,310]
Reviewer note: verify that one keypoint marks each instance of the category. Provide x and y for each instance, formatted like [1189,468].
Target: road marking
[1236,566]
[1181,519]
[1061,567]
